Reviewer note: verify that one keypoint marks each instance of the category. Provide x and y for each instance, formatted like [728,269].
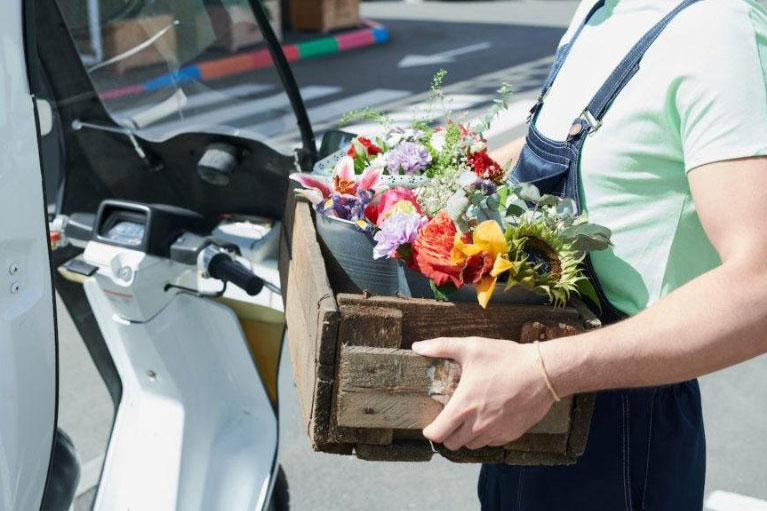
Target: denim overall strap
[564,50]
[628,67]
[560,59]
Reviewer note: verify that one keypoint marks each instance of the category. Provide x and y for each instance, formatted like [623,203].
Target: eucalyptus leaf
[549,200]
[516,208]
[502,193]
[457,205]
[529,192]
[590,243]
[566,208]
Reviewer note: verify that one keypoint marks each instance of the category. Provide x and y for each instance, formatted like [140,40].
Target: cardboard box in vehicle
[126,37]
[324,15]
[235,27]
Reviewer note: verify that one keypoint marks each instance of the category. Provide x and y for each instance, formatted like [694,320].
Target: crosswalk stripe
[241,110]
[208,98]
[728,501]
[405,116]
[514,116]
[332,110]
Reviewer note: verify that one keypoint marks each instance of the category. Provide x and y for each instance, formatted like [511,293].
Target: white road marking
[332,110]
[442,57]
[405,116]
[512,117]
[207,98]
[227,115]
[728,501]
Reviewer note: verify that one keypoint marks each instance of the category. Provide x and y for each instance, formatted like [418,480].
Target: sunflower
[545,261]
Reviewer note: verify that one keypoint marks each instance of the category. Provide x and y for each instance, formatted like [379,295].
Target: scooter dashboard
[125,232]
[149,228]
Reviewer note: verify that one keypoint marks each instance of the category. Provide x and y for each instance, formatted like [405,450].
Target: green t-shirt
[700,96]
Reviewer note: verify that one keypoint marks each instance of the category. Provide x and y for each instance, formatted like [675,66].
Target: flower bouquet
[433,202]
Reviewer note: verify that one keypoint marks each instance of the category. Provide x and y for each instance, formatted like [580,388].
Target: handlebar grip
[223,267]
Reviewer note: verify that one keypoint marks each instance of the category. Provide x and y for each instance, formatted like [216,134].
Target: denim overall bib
[646,447]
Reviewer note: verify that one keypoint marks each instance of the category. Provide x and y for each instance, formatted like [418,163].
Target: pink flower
[342,182]
[378,210]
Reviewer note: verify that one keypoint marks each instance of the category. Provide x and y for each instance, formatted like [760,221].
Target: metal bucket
[418,287]
[350,263]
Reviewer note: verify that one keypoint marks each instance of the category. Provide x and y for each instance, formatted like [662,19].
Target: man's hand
[500,396]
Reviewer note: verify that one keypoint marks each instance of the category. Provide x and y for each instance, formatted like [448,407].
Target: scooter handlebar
[221,266]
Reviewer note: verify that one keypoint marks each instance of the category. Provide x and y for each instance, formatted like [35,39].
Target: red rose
[387,200]
[432,251]
[485,167]
[369,146]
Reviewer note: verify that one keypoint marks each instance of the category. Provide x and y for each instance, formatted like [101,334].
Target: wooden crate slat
[425,319]
[406,450]
[394,388]
[314,318]
[360,326]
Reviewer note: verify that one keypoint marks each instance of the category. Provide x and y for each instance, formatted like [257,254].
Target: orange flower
[433,252]
[488,241]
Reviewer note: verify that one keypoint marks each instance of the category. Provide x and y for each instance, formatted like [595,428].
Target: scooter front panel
[195,429]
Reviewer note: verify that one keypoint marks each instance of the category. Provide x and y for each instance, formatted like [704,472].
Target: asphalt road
[511,41]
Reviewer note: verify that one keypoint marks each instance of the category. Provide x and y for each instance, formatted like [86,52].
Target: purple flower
[486,186]
[408,158]
[350,207]
[346,206]
[397,230]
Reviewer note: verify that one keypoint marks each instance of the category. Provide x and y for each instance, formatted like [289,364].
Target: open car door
[27,316]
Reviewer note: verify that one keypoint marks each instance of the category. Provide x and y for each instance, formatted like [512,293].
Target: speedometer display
[126,233]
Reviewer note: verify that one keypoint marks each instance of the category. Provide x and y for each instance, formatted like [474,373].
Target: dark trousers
[646,451]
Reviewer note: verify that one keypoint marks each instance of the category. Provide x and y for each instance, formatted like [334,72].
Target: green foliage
[499,105]
[366,114]
[443,292]
[586,288]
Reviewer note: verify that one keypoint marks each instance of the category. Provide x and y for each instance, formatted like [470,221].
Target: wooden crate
[363,391]
[324,15]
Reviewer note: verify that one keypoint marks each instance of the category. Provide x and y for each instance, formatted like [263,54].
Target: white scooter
[196,427]
[189,362]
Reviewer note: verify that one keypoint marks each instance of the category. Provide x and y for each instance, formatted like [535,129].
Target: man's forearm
[509,153]
[714,321]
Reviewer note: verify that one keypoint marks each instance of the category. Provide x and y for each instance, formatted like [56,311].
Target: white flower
[438,141]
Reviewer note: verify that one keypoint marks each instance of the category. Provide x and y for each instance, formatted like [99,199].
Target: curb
[373,33]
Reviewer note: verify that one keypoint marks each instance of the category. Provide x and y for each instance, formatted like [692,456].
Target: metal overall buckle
[594,123]
[585,121]
[533,109]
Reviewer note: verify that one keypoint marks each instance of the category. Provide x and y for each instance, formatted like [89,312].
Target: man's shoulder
[728,19]
[711,35]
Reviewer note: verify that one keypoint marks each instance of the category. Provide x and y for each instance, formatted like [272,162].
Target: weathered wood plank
[401,451]
[424,319]
[583,411]
[392,388]
[366,326]
[379,327]
[313,322]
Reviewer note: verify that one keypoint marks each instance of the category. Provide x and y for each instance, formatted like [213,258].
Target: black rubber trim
[289,82]
[31,54]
